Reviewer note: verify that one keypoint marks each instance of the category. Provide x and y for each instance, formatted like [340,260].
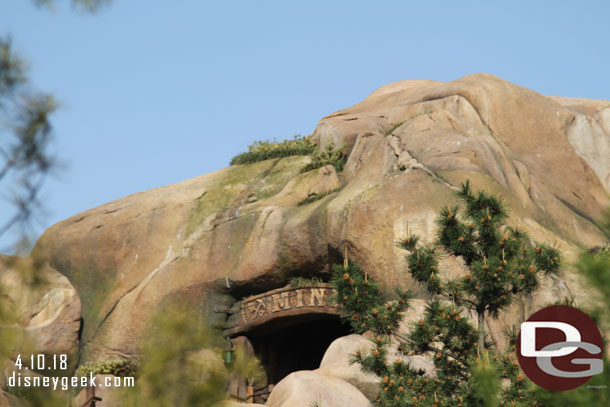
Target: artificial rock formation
[216,238]
[43,309]
[306,388]
[336,363]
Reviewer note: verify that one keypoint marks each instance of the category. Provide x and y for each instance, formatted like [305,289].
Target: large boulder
[306,388]
[240,231]
[336,363]
[44,311]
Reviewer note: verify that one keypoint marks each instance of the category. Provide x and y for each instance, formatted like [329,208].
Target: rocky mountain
[239,231]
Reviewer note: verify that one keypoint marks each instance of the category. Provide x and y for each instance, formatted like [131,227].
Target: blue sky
[155,92]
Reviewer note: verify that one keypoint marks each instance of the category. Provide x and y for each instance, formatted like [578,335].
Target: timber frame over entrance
[283,302]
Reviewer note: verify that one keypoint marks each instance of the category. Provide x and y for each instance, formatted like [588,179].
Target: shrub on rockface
[298,145]
[266,149]
[501,262]
[116,367]
[328,156]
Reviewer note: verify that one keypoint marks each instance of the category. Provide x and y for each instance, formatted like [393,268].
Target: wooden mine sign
[282,302]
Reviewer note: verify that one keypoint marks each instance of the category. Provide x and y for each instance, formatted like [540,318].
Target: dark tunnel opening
[288,344]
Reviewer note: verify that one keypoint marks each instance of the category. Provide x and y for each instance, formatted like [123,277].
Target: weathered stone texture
[240,228]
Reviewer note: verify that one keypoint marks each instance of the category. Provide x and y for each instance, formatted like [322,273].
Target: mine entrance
[285,345]
[289,329]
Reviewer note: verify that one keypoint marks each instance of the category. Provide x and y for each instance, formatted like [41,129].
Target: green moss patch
[273,181]
[236,184]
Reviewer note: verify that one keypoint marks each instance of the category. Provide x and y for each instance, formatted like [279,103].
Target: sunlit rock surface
[213,239]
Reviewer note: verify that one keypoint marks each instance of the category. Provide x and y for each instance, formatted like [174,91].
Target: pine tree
[501,263]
